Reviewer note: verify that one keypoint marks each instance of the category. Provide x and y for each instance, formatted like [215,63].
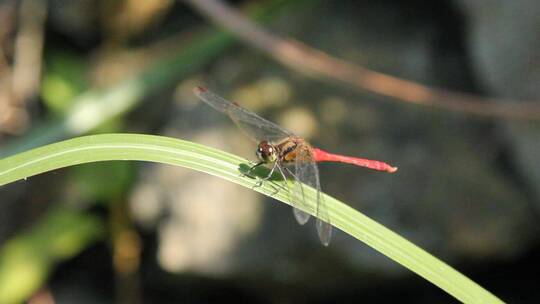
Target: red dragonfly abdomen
[321,156]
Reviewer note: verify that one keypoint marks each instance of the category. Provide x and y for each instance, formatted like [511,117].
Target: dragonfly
[289,155]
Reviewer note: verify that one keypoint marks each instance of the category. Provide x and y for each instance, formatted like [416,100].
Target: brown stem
[316,63]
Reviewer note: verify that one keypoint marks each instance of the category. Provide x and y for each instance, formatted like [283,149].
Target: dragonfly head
[266,152]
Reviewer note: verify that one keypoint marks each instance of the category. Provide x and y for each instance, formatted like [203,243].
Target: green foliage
[63,80]
[27,259]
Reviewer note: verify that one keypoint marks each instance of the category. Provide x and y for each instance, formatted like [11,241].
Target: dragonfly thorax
[266,152]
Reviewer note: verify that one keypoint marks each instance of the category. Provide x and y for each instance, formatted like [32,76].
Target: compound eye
[259,153]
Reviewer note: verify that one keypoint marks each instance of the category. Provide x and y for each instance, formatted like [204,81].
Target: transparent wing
[254,126]
[306,173]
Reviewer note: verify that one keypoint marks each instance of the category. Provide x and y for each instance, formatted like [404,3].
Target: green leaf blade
[129,147]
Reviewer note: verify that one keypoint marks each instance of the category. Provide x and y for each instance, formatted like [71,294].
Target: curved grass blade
[172,151]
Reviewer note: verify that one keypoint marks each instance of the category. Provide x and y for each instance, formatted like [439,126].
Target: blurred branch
[127,248]
[21,34]
[28,49]
[316,63]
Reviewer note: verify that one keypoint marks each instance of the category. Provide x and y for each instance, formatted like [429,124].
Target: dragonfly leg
[285,180]
[258,184]
[291,173]
[253,167]
[276,189]
[261,180]
[271,172]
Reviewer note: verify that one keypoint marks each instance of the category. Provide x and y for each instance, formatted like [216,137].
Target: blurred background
[124,232]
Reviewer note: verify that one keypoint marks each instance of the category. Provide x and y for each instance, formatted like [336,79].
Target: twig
[316,63]
[28,49]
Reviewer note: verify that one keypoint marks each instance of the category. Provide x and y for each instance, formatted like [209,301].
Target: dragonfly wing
[324,230]
[254,126]
[298,200]
[307,173]
[300,216]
